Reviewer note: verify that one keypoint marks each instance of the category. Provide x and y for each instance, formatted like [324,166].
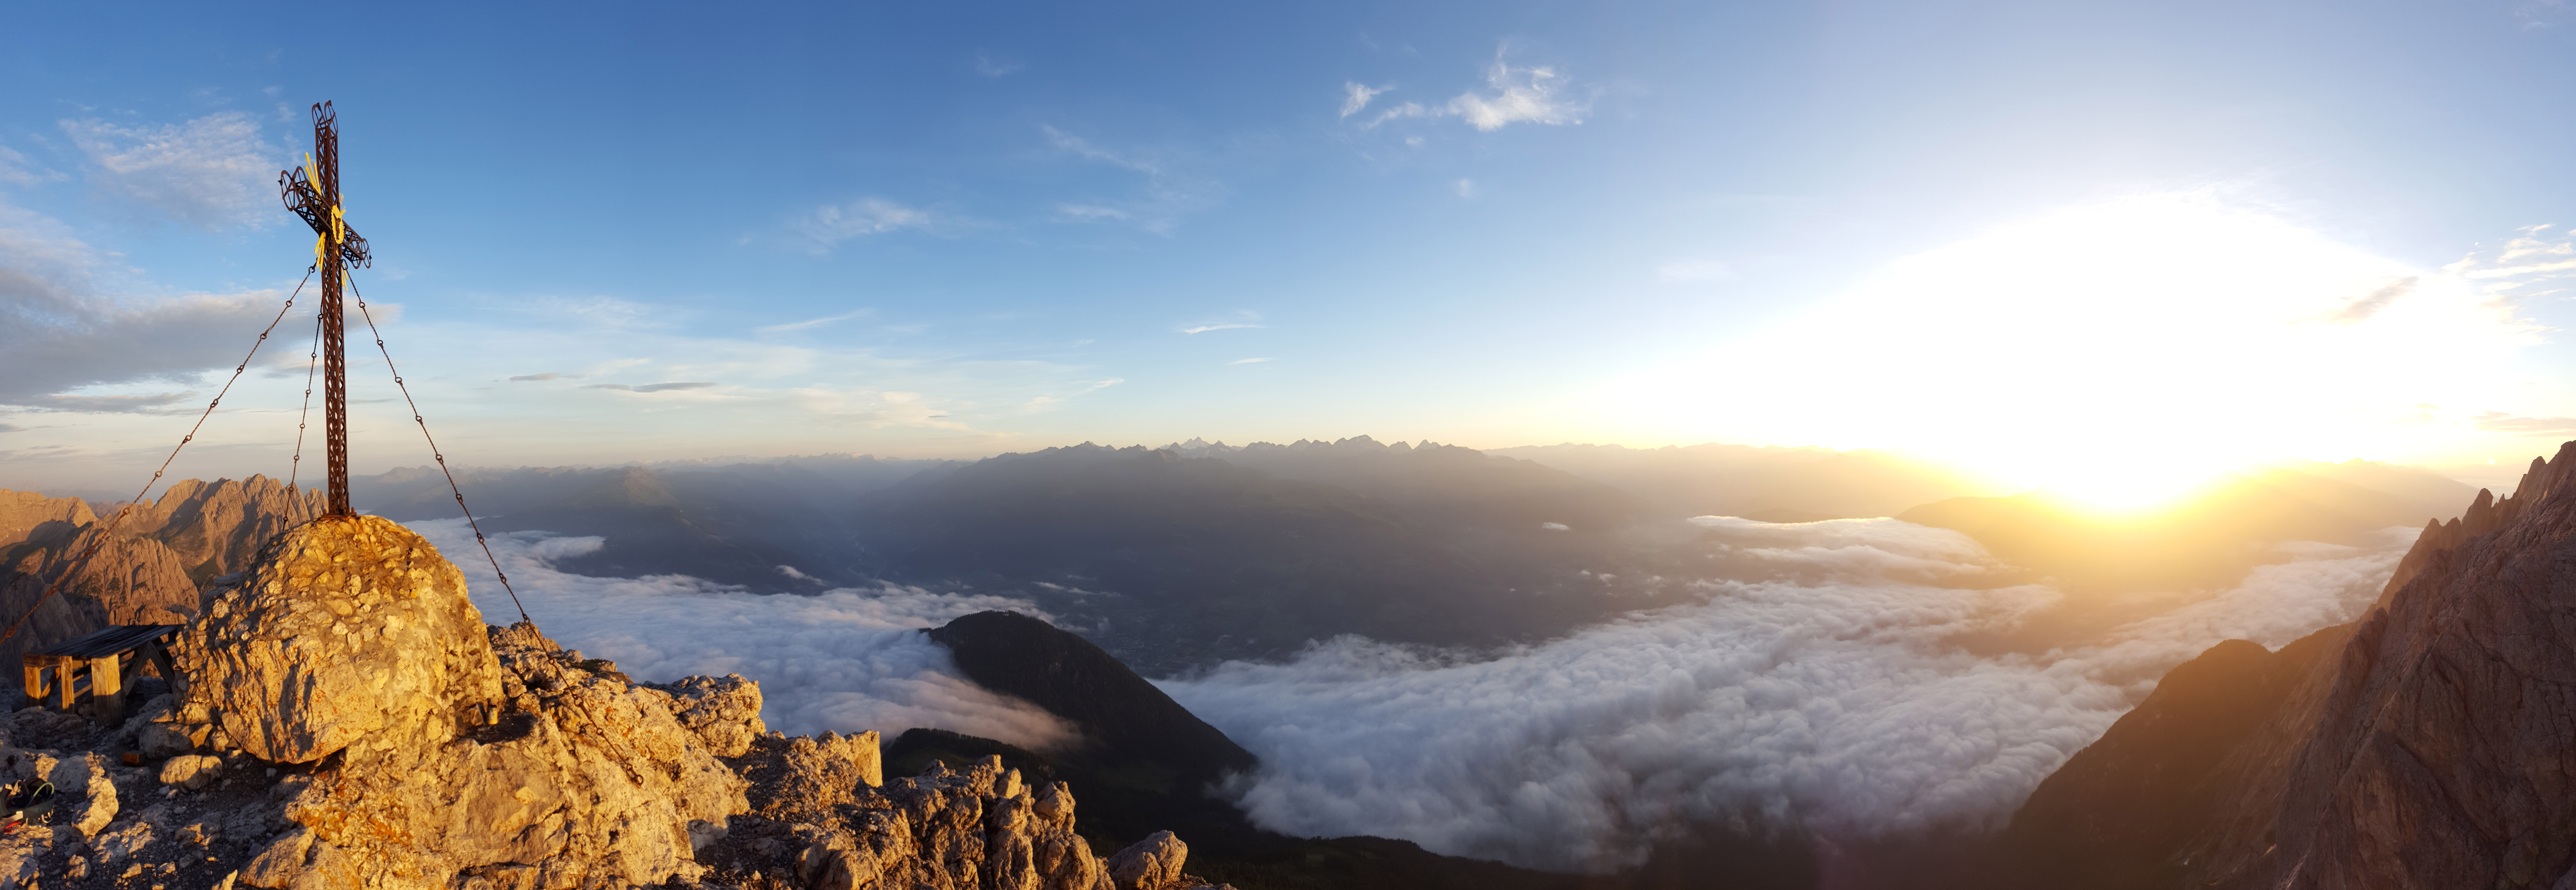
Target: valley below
[1360,664]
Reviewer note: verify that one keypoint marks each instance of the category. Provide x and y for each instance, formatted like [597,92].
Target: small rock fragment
[191,771]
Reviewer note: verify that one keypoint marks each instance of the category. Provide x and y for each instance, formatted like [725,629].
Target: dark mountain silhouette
[1126,718]
[733,523]
[1147,764]
[2427,745]
[1442,484]
[1793,484]
[1172,561]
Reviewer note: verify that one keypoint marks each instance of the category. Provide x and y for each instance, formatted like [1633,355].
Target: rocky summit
[347,720]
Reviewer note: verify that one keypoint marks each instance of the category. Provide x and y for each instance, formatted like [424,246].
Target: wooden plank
[65,674]
[107,689]
[34,680]
[161,659]
[116,639]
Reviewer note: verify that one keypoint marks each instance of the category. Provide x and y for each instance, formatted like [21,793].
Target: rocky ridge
[150,569]
[350,722]
[2431,744]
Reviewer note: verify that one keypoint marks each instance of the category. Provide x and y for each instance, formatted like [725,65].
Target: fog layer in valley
[845,660]
[1829,701]
[1814,679]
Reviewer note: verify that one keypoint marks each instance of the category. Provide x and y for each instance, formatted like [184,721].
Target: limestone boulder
[344,628]
[84,794]
[723,711]
[978,827]
[1151,864]
[598,784]
[820,772]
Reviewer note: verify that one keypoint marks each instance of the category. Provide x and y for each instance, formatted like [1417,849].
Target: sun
[2121,353]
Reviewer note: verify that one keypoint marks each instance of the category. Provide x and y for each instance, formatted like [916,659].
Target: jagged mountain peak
[2426,745]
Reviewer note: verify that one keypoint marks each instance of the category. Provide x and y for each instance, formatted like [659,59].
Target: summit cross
[313,192]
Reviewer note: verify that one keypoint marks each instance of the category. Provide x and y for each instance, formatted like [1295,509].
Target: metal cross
[313,192]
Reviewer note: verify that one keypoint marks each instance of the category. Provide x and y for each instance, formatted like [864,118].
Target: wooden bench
[105,659]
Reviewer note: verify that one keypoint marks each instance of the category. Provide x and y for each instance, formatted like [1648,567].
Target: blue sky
[958,229]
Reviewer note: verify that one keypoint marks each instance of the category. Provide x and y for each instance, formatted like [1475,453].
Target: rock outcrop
[149,570]
[346,629]
[455,751]
[2432,744]
[350,722]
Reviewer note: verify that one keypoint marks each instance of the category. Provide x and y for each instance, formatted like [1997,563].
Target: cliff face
[2432,744]
[149,570]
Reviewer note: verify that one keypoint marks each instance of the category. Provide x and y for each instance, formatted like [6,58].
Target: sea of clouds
[1831,696]
[1835,702]
[845,660]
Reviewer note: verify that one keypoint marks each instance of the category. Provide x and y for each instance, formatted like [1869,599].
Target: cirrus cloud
[213,172]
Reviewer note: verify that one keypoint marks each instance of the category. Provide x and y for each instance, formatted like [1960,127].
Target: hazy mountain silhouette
[2202,541]
[2425,745]
[735,523]
[1195,552]
[1766,483]
[1170,560]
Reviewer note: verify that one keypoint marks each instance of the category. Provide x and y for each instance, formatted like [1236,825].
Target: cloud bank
[213,172]
[829,225]
[59,333]
[847,660]
[1827,701]
[1534,94]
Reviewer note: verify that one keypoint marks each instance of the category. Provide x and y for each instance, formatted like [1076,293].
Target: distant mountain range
[1766,483]
[2423,740]
[1196,552]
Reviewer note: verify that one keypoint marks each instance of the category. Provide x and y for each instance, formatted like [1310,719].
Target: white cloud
[1051,402]
[1694,271]
[212,172]
[1226,326]
[830,225]
[58,334]
[813,322]
[1535,94]
[1356,97]
[2535,262]
[15,169]
[1466,188]
[987,65]
[846,660]
[879,409]
[1090,213]
[1170,191]
[1520,95]
[1831,700]
[1249,361]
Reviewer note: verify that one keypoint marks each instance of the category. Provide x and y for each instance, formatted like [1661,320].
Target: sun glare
[2120,354]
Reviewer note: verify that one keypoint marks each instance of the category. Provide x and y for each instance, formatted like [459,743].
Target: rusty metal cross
[313,192]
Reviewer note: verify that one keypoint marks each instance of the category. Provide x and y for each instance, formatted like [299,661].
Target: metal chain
[434,453]
[301,417]
[82,561]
